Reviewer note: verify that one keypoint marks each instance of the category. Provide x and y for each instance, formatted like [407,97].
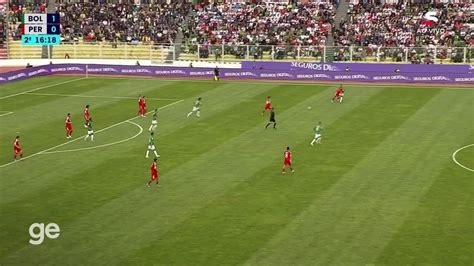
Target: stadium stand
[370,31]
[3,31]
[148,24]
[263,23]
[403,25]
[260,25]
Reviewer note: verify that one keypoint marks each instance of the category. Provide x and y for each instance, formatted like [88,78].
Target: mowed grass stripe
[124,109]
[243,219]
[144,203]
[102,186]
[439,230]
[25,85]
[167,125]
[296,83]
[356,218]
[257,149]
[43,125]
[83,179]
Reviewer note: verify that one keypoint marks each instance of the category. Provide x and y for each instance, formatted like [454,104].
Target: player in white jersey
[90,131]
[196,108]
[151,146]
[317,134]
[154,121]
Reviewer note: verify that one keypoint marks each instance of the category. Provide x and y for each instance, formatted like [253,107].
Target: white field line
[100,130]
[6,113]
[456,161]
[93,96]
[40,88]
[103,145]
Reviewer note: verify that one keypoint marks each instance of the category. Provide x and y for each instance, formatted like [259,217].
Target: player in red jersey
[268,105]
[87,115]
[17,149]
[154,174]
[68,126]
[140,105]
[287,161]
[338,95]
[143,106]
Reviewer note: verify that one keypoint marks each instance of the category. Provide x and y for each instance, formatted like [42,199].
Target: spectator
[260,23]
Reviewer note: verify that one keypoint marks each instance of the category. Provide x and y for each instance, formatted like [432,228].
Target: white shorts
[154,122]
[151,147]
[317,136]
[195,109]
[90,132]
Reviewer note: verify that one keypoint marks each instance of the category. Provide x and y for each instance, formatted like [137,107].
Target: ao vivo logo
[431,16]
[51,230]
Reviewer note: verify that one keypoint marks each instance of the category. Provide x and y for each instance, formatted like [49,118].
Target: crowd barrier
[334,72]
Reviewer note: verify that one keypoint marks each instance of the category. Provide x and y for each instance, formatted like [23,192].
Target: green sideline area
[381,189]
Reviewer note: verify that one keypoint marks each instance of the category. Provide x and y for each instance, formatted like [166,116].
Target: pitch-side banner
[465,77]
[358,67]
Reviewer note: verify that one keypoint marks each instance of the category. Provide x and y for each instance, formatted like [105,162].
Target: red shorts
[287,162]
[69,128]
[154,176]
[18,150]
[87,119]
[268,106]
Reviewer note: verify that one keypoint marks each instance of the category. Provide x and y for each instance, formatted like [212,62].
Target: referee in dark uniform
[272,119]
[216,73]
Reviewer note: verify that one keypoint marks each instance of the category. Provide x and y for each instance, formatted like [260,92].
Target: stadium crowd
[261,23]
[3,24]
[155,23]
[403,24]
[122,22]
[394,25]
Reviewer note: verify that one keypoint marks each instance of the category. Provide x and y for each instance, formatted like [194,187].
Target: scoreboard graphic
[41,29]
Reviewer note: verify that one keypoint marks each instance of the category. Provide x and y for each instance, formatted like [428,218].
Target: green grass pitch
[381,189]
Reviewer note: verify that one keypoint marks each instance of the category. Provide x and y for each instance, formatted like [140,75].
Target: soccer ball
[309,107]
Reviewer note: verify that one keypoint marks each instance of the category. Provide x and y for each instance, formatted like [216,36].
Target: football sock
[147,152]
[156,154]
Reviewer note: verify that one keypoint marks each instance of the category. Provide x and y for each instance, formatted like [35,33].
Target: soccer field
[381,189]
